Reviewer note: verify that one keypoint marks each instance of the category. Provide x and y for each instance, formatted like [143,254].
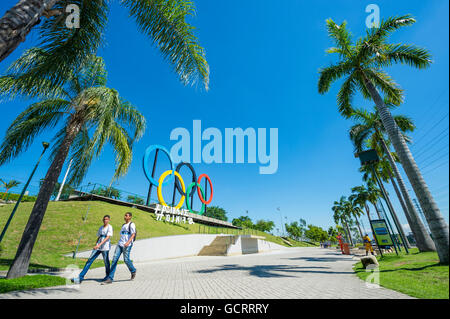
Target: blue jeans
[94,255]
[126,258]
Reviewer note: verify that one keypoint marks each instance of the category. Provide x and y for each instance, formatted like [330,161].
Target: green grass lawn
[63,225]
[419,274]
[30,282]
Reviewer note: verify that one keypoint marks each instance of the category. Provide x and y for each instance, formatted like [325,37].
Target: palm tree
[355,210]
[370,131]
[163,21]
[361,64]
[90,115]
[341,215]
[360,196]
[8,185]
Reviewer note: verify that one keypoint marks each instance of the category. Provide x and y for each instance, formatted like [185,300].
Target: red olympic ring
[200,196]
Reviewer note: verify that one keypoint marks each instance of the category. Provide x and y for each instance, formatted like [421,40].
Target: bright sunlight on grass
[418,274]
[30,282]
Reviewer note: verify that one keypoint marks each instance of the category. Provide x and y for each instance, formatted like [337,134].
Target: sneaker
[107,281]
[133,275]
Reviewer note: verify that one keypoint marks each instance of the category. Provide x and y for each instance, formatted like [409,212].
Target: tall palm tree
[355,210]
[8,185]
[89,115]
[369,130]
[162,21]
[341,216]
[361,64]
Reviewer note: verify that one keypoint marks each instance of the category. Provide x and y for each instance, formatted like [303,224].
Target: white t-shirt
[104,231]
[125,235]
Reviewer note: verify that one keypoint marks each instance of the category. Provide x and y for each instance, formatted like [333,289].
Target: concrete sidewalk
[286,274]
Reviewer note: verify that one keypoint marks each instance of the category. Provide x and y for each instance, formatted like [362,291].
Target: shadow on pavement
[265,271]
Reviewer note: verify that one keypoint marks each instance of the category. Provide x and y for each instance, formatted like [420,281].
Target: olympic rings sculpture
[173,175]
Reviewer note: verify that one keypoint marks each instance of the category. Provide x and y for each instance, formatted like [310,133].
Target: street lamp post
[281,219]
[45,145]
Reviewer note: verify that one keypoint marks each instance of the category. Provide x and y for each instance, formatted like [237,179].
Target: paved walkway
[287,274]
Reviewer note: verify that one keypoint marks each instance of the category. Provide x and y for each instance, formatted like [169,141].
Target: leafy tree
[264,225]
[66,191]
[294,230]
[135,199]
[341,216]
[332,234]
[162,21]
[362,64]
[89,115]
[216,212]
[243,221]
[316,233]
[369,131]
[8,185]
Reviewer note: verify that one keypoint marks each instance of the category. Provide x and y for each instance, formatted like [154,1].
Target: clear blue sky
[264,58]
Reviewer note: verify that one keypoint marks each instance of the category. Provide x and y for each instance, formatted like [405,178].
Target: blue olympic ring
[147,171]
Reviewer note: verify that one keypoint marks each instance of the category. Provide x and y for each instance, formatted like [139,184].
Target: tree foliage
[216,212]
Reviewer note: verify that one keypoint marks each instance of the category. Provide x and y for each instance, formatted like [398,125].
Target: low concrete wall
[248,244]
[164,247]
[187,245]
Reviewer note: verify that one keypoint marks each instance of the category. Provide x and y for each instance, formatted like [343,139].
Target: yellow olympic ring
[160,182]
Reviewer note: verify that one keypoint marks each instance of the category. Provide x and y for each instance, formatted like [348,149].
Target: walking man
[102,246]
[127,237]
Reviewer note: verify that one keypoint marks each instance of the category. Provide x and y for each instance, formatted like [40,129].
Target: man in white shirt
[127,235]
[102,246]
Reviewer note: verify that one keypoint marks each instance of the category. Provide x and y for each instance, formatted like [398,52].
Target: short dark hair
[128,213]
[107,216]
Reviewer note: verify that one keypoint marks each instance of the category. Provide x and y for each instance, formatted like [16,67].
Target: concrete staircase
[219,246]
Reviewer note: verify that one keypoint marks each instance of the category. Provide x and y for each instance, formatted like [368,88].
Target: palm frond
[358,135]
[341,36]
[28,125]
[18,82]
[67,48]
[411,55]
[165,22]
[332,73]
[387,85]
[405,123]
[345,96]
[387,26]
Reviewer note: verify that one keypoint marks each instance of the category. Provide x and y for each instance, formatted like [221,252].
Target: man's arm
[130,240]
[102,242]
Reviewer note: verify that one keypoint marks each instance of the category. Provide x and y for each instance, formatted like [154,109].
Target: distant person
[368,244]
[102,246]
[339,238]
[127,236]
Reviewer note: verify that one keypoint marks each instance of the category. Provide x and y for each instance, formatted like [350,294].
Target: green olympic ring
[188,193]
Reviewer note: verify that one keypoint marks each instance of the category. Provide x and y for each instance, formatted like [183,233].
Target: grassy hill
[63,225]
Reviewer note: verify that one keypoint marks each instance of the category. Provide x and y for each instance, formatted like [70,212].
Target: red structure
[339,237]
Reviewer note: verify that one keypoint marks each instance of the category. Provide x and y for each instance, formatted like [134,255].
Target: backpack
[129,232]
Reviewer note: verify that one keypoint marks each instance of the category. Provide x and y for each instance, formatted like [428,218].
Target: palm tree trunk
[359,227]
[349,233]
[438,226]
[376,209]
[21,261]
[368,212]
[402,203]
[17,23]
[423,239]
